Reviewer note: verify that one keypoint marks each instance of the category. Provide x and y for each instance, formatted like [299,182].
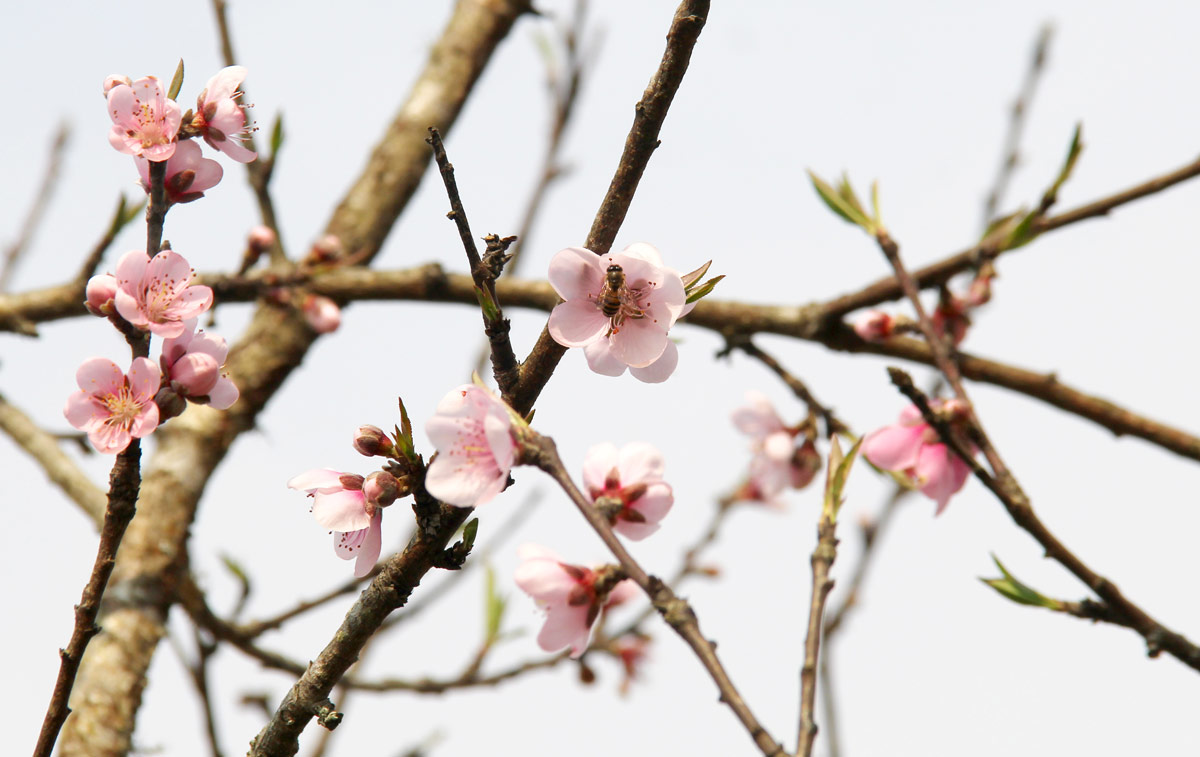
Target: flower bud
[370,441]
[261,238]
[323,314]
[351,481]
[806,462]
[381,489]
[874,325]
[327,249]
[99,294]
[170,404]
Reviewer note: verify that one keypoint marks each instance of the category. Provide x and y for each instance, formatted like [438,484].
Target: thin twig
[1018,116]
[832,424]
[677,613]
[640,144]
[822,561]
[504,361]
[871,534]
[41,201]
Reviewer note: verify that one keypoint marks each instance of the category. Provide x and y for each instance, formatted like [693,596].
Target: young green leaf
[835,202]
[276,135]
[1010,588]
[176,82]
[704,289]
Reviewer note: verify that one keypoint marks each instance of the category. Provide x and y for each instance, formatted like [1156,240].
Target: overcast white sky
[914,94]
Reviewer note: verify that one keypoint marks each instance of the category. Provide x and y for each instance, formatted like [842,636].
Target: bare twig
[677,613]
[1011,153]
[832,424]
[41,201]
[822,561]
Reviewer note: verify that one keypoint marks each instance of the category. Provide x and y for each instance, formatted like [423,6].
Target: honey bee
[611,294]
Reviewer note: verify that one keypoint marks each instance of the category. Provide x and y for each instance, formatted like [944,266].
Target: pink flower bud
[370,441]
[99,294]
[874,325]
[196,373]
[380,489]
[806,462]
[261,238]
[326,250]
[323,314]
[170,403]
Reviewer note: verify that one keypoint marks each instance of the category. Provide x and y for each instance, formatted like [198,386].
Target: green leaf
[1010,588]
[836,474]
[847,193]
[487,304]
[1068,166]
[469,532]
[176,82]
[404,439]
[1023,233]
[494,606]
[838,205]
[875,203]
[704,289]
[276,135]
[689,279]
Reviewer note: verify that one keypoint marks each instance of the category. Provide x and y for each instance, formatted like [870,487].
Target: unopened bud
[381,489]
[261,238]
[351,481]
[327,249]
[170,404]
[99,294]
[806,463]
[874,325]
[370,441]
[323,314]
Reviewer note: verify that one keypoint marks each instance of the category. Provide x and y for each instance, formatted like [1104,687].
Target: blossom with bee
[619,307]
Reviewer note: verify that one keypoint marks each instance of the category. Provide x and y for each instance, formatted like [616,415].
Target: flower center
[123,408]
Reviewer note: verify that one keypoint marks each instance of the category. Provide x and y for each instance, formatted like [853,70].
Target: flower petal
[317,479]
[575,273]
[342,510]
[894,447]
[597,463]
[601,359]
[577,323]
[660,370]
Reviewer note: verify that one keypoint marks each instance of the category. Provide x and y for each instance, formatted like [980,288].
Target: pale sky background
[914,94]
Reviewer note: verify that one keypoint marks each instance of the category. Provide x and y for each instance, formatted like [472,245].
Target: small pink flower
[620,306]
[99,294]
[473,433]
[629,479]
[874,325]
[192,363]
[568,595]
[111,407]
[220,118]
[771,469]
[911,447]
[188,174]
[155,295]
[323,314]
[145,122]
[340,505]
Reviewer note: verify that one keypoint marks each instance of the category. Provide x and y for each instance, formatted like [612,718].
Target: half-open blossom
[192,364]
[145,121]
[220,118]
[620,306]
[99,294]
[913,448]
[472,430]
[340,505]
[189,174]
[322,314]
[628,485]
[113,407]
[155,293]
[571,595]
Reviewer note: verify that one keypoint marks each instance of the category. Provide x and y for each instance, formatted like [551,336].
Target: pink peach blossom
[189,174]
[155,294]
[145,121]
[643,297]
[112,407]
[220,118]
[568,595]
[261,238]
[192,363]
[340,505]
[771,468]
[473,432]
[874,325]
[322,314]
[911,447]
[632,479]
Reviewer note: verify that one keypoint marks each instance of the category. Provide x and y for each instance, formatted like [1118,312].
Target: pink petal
[109,439]
[942,473]
[371,546]
[144,379]
[622,592]
[146,421]
[341,511]
[83,411]
[639,342]
[757,418]
[131,268]
[644,251]
[640,462]
[894,447]
[779,446]
[639,274]
[463,481]
[223,394]
[656,502]
[317,479]
[192,302]
[99,376]
[597,463]
[575,273]
[577,323]
[497,427]
[566,626]
[660,370]
[196,373]
[601,359]
[347,544]
[236,151]
[224,83]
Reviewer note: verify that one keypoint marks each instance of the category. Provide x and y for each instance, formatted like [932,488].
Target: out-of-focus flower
[99,294]
[145,121]
[155,294]
[951,317]
[111,407]
[571,595]
[192,364]
[912,447]
[327,249]
[473,432]
[220,118]
[340,505]
[322,314]
[632,651]
[874,325]
[189,174]
[261,238]
[619,307]
[777,463]
[628,486]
